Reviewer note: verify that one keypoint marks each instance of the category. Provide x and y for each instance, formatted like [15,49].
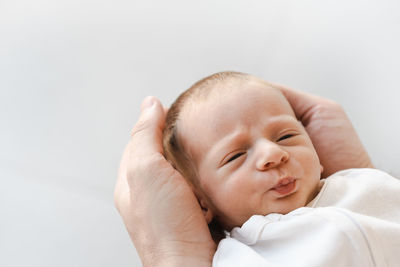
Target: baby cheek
[307,153]
[233,188]
[311,163]
[301,161]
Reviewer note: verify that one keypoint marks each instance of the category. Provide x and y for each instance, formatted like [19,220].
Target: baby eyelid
[286,136]
[235,156]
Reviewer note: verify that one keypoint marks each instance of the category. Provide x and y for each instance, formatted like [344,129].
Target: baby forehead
[231,100]
[207,119]
[230,87]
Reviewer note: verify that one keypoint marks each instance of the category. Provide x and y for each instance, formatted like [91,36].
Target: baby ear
[207,212]
[204,204]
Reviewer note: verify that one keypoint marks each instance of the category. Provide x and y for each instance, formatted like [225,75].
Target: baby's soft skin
[252,156]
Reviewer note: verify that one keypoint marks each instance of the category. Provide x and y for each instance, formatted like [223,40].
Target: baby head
[236,140]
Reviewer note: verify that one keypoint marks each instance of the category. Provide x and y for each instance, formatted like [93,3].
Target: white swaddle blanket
[353,221]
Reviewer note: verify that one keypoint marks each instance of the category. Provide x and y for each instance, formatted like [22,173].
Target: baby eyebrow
[283,120]
[230,140]
[223,146]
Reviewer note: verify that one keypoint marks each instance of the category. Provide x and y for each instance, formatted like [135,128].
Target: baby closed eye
[239,154]
[286,136]
[235,156]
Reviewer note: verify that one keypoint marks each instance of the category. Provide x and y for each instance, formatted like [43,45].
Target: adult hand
[160,212]
[334,137]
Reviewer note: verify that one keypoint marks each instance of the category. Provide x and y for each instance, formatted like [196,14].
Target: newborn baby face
[251,153]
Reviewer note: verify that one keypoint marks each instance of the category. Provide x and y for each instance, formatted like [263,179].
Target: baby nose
[270,155]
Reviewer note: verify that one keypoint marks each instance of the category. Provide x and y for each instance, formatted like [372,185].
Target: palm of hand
[163,202]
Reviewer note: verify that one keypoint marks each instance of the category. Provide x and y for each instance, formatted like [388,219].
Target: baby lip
[284,187]
[284,181]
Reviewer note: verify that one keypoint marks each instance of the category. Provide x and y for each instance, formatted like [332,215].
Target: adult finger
[166,109]
[145,141]
[304,104]
[146,135]
[121,190]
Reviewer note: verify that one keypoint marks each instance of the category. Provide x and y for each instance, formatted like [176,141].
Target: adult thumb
[146,135]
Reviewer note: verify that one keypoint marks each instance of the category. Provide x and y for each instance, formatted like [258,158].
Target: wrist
[178,261]
[178,253]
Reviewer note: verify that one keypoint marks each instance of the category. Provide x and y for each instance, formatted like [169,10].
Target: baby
[250,162]
[238,142]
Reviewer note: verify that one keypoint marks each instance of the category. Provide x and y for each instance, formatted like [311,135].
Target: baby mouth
[285,186]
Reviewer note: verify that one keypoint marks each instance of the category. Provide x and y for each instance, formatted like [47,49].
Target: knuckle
[136,168]
[325,109]
[139,127]
[328,106]
[141,167]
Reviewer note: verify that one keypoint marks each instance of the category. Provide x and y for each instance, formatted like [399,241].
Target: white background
[73,74]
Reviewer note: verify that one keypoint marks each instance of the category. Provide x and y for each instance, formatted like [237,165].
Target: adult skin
[160,212]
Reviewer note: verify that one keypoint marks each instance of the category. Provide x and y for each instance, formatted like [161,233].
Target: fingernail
[147,102]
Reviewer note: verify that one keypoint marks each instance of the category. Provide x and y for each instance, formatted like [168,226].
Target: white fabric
[353,221]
